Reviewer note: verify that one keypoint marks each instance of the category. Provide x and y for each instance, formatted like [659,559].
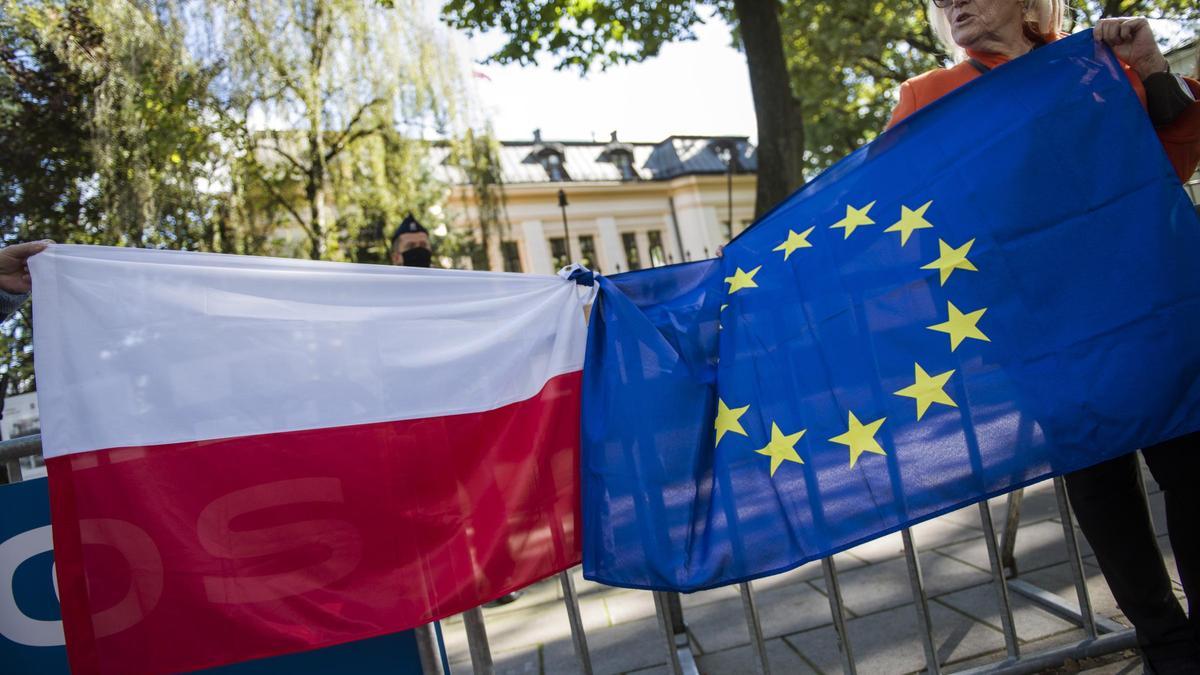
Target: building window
[558,252]
[658,256]
[511,255]
[624,162]
[621,156]
[554,167]
[629,240]
[587,253]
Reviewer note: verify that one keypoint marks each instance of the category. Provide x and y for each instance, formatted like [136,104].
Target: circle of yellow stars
[926,389]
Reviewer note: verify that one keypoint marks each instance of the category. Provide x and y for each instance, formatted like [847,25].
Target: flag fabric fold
[1000,289]
[249,457]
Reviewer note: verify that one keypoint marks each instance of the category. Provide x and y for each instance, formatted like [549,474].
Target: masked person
[410,244]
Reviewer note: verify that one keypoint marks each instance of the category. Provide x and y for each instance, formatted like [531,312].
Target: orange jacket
[1181,138]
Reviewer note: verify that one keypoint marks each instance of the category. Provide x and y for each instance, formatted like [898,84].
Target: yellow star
[928,390]
[794,241]
[961,326]
[727,420]
[910,221]
[742,279]
[950,259]
[782,447]
[854,219]
[860,438]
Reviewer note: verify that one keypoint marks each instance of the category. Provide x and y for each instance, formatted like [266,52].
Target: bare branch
[349,134]
[286,155]
[281,200]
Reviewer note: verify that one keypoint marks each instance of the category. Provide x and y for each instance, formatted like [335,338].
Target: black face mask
[417,257]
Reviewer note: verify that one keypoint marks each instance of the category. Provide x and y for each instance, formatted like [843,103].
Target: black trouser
[1115,518]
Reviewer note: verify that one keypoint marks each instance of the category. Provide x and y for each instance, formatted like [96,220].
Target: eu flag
[1000,289]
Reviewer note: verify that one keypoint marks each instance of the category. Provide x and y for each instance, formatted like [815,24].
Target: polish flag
[251,456]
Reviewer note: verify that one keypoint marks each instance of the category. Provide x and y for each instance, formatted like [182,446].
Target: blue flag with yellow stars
[1002,288]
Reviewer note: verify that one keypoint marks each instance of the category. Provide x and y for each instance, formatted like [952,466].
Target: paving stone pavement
[532,635]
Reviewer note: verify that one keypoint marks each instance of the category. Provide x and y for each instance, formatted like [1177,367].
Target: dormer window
[620,155]
[553,162]
[624,162]
[551,156]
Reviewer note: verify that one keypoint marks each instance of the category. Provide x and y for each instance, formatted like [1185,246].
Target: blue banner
[1000,289]
[31,636]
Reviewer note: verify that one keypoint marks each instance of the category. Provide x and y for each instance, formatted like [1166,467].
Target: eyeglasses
[943,4]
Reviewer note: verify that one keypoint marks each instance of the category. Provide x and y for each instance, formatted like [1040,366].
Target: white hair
[1043,17]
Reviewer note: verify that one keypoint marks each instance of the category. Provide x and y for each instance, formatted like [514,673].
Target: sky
[699,87]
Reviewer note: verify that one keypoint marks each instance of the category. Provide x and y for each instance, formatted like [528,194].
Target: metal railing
[12,451]
[1193,188]
[1102,636]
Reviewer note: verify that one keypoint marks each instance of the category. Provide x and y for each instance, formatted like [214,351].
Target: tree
[322,82]
[152,139]
[44,130]
[850,56]
[382,178]
[477,155]
[99,121]
[1186,12]
[45,127]
[602,33]
[217,125]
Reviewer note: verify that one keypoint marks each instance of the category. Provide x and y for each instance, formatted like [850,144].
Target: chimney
[537,135]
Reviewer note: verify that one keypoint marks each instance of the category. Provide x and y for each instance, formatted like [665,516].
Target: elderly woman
[985,34]
[1108,500]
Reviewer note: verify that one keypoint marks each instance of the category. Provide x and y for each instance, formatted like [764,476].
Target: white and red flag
[252,456]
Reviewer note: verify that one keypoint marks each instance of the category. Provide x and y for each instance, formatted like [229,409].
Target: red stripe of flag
[199,554]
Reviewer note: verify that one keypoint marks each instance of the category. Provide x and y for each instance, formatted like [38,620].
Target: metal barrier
[1102,636]
[1193,189]
[11,452]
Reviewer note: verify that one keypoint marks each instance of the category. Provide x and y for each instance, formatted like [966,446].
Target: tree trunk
[776,108]
[314,193]
[315,189]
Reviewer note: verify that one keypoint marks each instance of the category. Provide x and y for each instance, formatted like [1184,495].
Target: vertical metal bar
[1074,558]
[13,468]
[920,601]
[664,622]
[754,625]
[571,599]
[563,204]
[674,605]
[837,610]
[427,649]
[477,640]
[1006,614]
[1008,541]
[675,226]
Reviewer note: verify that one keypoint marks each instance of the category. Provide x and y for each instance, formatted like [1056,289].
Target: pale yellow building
[629,205]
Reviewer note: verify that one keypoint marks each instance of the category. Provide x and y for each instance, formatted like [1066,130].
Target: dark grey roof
[588,161]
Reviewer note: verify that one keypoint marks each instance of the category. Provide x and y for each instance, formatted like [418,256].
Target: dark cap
[409,225]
